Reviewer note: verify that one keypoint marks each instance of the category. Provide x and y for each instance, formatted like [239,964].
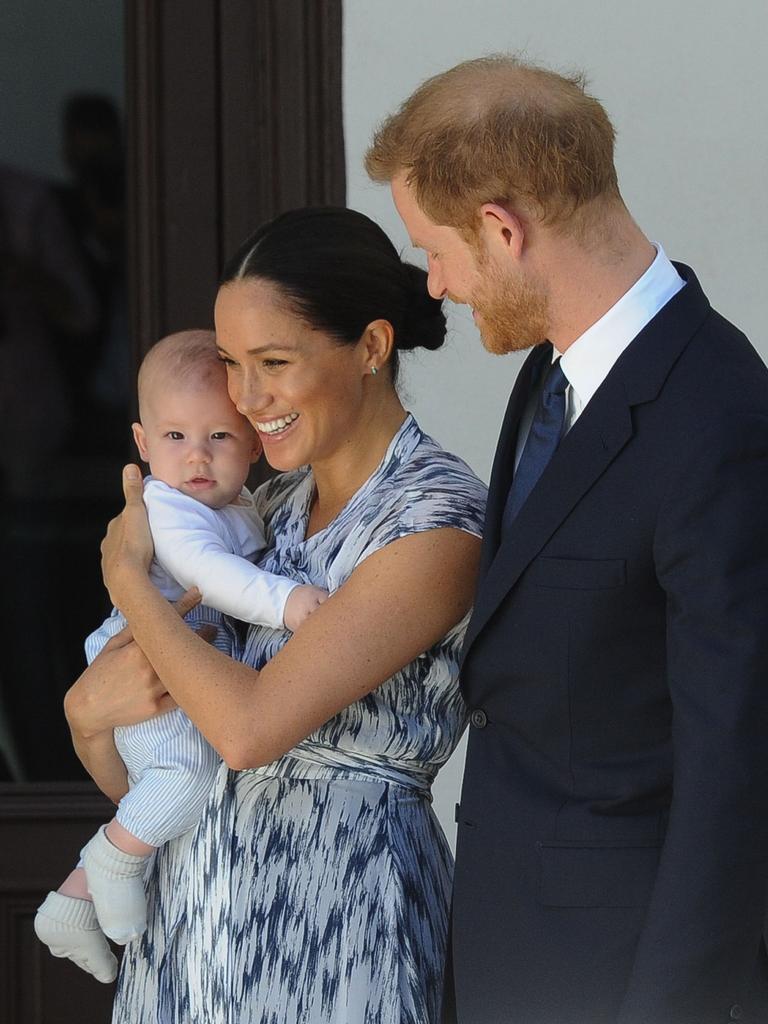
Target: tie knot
[555,382]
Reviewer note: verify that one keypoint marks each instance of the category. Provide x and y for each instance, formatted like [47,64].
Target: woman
[316,887]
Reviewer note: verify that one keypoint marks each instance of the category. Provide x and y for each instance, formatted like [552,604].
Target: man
[612,856]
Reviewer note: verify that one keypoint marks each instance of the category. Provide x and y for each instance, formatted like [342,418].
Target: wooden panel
[234,115]
[42,828]
[281,119]
[173,165]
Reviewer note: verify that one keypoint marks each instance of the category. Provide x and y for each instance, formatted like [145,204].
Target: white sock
[116,883]
[69,928]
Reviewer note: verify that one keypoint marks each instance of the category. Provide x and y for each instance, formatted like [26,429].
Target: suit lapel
[504,460]
[597,437]
[585,453]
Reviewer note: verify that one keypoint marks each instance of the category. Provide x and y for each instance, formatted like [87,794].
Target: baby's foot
[69,928]
[116,883]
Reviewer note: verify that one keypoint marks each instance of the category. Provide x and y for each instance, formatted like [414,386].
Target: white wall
[686,87]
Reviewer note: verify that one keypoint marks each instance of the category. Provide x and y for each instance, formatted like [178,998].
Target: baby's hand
[302,601]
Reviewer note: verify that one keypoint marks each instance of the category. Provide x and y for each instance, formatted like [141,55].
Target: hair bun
[423,320]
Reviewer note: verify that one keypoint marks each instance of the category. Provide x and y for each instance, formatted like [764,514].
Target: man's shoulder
[713,403]
[722,365]
[689,352]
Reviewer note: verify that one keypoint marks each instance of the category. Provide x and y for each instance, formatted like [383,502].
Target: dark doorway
[231,112]
[64,351]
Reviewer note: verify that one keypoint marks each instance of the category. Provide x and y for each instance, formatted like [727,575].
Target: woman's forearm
[395,605]
[100,758]
[216,692]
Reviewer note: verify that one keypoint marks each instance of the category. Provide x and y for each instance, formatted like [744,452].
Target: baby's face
[196,441]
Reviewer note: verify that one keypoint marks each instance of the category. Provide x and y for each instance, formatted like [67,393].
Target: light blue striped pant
[171,768]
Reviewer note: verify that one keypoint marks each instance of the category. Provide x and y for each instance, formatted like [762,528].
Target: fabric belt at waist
[318,762]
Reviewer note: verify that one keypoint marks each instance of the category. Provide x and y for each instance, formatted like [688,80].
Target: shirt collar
[588,361]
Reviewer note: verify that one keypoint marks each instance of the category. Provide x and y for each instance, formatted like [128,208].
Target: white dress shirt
[589,360]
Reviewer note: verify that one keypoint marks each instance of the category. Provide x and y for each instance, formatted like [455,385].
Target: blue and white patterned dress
[315,890]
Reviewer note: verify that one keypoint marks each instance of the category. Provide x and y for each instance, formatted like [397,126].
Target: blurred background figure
[44,293]
[64,384]
[93,202]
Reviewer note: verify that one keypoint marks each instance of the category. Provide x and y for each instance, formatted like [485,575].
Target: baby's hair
[186,359]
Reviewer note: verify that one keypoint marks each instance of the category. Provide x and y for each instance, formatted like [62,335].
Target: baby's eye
[175,435]
[220,435]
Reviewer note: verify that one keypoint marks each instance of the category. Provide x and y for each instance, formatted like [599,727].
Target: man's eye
[273,363]
[175,435]
[226,360]
[220,435]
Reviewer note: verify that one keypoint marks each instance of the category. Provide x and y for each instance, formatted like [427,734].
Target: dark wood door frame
[42,828]
[233,114]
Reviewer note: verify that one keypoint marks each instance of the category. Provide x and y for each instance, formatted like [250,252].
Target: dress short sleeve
[432,491]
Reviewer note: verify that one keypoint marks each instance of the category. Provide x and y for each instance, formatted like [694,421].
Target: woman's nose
[250,398]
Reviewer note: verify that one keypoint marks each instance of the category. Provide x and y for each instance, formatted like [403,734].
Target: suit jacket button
[736,1012]
[478,718]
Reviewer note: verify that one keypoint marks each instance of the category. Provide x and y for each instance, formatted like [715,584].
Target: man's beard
[512,310]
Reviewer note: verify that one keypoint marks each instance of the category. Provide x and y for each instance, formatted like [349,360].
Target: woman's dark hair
[339,271]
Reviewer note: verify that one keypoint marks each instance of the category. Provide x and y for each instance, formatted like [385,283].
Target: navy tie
[543,439]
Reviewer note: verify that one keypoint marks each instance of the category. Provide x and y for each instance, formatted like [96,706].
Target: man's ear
[502,230]
[141,441]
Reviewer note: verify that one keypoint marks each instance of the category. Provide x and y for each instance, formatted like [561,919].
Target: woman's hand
[127,547]
[120,687]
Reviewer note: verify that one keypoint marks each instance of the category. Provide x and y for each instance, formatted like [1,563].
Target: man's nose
[435,284]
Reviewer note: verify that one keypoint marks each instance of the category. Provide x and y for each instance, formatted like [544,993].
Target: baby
[206,532]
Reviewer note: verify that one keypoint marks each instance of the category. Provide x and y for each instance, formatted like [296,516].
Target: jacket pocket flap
[574,875]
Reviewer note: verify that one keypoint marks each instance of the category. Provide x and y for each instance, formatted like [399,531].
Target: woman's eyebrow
[272,347]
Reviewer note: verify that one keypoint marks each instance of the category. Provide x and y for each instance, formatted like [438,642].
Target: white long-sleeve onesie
[170,766]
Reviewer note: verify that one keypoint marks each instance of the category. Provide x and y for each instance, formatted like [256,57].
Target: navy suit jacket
[612,854]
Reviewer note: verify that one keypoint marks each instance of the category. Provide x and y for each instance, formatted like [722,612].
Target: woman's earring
[374,371]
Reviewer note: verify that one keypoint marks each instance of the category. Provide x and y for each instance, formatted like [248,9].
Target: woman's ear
[378,340]
[141,441]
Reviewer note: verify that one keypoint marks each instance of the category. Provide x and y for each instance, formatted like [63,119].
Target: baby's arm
[190,543]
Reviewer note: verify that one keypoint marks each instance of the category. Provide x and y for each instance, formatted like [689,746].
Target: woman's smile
[301,389]
[273,428]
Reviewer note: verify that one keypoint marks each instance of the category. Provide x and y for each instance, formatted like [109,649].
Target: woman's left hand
[127,547]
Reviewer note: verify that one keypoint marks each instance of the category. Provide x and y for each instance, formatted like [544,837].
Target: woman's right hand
[120,687]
